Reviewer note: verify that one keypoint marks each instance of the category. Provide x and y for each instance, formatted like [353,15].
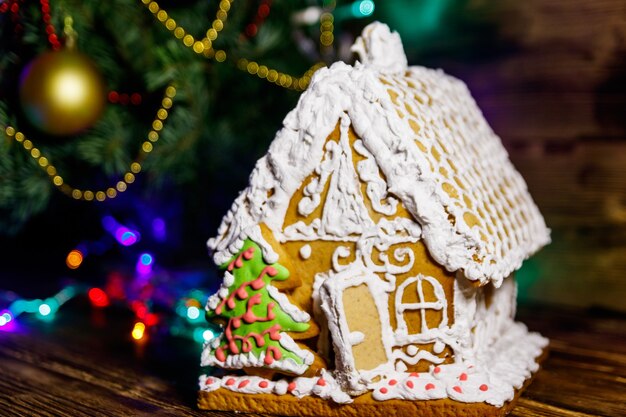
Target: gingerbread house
[371,258]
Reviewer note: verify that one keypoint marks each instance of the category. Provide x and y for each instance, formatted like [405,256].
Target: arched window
[421,306]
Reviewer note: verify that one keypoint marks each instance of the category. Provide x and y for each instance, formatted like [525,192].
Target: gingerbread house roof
[429,139]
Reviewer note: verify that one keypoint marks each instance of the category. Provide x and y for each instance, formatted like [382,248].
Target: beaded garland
[205,48]
[127,178]
[53,39]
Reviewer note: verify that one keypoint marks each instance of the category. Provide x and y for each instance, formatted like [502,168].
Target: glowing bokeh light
[98,297]
[138,331]
[121,233]
[144,263]
[363,8]
[146,258]
[44,309]
[152,319]
[74,259]
[208,335]
[198,334]
[193,313]
[109,223]
[5,318]
[115,286]
[125,236]
[159,230]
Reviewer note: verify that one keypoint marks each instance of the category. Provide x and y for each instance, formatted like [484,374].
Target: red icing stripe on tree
[255,319]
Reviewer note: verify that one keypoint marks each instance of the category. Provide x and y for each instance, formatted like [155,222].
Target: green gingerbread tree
[257,320]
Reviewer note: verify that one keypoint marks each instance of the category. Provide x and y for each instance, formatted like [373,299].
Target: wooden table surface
[84,364]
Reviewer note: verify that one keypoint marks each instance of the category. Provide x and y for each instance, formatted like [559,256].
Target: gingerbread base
[365,405]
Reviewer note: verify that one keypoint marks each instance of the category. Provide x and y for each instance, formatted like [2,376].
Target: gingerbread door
[355,302]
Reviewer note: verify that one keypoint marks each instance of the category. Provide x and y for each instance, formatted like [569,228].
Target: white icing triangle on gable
[344,212]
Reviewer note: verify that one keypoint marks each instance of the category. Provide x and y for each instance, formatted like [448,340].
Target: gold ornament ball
[62,93]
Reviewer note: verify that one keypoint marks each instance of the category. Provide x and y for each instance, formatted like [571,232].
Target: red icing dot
[410,384]
[463,377]
[263,384]
[230,382]
[291,386]
[248,253]
[457,389]
[392,382]
[383,390]
[209,381]
[321,382]
[437,369]
[414,374]
[429,386]
[244,383]
[483,387]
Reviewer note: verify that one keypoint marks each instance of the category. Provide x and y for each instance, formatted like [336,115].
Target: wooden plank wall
[557,97]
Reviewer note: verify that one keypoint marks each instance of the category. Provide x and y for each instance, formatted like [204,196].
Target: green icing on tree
[255,319]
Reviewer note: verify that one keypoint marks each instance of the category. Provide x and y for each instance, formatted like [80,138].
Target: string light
[124,99]
[205,48]
[362,8]
[53,39]
[98,297]
[202,335]
[5,318]
[208,335]
[74,259]
[45,310]
[122,234]
[159,229]
[262,13]
[193,313]
[144,264]
[127,178]
[138,331]
[12,6]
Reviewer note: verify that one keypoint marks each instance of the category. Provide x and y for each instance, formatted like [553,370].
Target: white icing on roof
[380,49]
[430,140]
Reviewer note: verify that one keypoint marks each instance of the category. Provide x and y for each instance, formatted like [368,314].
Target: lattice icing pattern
[483,194]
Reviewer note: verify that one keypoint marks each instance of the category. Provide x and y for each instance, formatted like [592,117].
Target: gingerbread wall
[306,259]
